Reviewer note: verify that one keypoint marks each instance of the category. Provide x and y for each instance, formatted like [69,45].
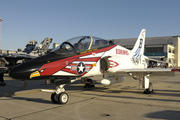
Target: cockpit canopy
[80,44]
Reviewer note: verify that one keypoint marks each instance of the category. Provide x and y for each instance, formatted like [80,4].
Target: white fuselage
[120,59]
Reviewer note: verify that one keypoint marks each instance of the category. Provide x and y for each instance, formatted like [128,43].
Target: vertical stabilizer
[42,48]
[140,43]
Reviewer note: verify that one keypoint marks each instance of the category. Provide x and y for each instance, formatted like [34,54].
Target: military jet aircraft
[29,52]
[88,58]
[28,48]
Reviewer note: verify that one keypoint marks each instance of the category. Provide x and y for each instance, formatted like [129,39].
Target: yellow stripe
[24,86]
[27,93]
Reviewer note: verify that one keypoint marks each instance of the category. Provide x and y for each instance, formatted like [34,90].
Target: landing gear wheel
[89,84]
[85,86]
[63,98]
[149,90]
[54,97]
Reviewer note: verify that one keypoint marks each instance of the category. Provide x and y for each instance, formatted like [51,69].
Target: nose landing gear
[59,96]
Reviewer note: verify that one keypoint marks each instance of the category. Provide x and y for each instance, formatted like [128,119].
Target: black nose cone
[16,74]
[23,71]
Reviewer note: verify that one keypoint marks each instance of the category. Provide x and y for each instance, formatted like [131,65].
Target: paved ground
[23,101]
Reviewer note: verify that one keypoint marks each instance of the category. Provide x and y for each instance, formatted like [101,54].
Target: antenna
[0,34]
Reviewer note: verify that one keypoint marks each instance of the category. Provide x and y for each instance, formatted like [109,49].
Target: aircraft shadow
[38,100]
[119,94]
[107,90]
[172,93]
[166,114]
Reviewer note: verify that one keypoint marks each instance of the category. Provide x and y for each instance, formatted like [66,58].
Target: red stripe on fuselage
[53,67]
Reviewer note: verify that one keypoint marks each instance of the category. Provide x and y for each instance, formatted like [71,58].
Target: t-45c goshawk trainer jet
[88,58]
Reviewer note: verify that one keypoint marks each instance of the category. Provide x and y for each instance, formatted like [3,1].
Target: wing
[151,71]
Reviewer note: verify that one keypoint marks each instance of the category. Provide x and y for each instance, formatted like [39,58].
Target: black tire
[150,89]
[54,97]
[90,81]
[86,86]
[89,86]
[63,98]
[93,86]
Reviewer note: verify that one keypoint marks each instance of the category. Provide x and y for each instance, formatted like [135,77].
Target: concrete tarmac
[122,101]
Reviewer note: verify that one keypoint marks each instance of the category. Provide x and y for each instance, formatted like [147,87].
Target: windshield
[80,44]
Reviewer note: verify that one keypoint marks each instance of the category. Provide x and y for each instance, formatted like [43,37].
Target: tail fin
[42,48]
[30,46]
[140,43]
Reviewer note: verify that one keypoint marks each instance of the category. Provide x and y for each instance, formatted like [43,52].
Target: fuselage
[70,63]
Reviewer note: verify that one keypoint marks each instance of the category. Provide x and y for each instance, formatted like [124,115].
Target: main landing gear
[88,84]
[60,96]
[149,90]
[145,83]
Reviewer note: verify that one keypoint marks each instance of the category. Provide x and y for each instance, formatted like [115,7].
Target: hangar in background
[160,48]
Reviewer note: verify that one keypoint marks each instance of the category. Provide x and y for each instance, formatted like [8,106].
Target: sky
[64,19]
